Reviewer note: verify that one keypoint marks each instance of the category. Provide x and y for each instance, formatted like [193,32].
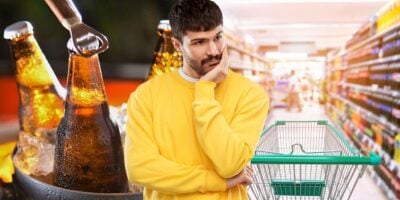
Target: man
[191,133]
[294,92]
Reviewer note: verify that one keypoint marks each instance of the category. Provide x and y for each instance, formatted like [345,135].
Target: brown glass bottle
[41,104]
[166,58]
[89,154]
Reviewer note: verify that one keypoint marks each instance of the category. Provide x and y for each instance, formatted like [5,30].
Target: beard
[201,69]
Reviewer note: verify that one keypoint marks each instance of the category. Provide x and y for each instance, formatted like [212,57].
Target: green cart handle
[372,159]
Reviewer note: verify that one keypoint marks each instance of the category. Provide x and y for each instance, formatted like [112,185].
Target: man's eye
[198,43]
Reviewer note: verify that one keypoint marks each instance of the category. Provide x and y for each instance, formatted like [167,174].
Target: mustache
[211,58]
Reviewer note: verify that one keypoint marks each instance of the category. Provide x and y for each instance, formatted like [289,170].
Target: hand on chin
[216,71]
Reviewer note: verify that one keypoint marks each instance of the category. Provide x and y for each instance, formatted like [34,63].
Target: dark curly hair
[194,15]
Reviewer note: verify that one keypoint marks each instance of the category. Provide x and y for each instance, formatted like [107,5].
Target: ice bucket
[36,189]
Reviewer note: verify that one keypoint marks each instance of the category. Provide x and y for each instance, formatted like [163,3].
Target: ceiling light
[286,56]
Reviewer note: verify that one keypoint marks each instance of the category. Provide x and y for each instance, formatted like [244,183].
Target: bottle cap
[164,25]
[90,42]
[18,29]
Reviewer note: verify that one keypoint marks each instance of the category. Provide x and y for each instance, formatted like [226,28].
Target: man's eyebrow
[198,39]
[202,39]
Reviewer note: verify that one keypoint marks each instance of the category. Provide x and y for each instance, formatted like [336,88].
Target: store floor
[366,189]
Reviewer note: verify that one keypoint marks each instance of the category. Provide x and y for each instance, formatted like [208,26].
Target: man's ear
[177,44]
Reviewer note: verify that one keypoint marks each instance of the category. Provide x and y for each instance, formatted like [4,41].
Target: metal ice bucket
[36,189]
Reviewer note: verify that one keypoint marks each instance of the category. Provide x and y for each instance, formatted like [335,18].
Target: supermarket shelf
[375,130]
[336,83]
[247,63]
[379,120]
[338,69]
[385,66]
[375,61]
[241,66]
[370,62]
[364,42]
[392,93]
[391,165]
[241,50]
[374,37]
[381,97]
[377,179]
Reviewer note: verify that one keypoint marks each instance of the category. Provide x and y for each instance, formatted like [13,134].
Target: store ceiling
[326,23]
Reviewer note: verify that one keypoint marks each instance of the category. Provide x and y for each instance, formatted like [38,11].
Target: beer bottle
[89,154]
[40,93]
[166,58]
[41,103]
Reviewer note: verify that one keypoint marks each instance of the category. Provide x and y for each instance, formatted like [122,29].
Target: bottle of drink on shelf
[396,155]
[166,58]
[41,104]
[89,154]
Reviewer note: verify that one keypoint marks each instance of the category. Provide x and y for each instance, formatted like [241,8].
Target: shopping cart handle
[375,159]
[371,159]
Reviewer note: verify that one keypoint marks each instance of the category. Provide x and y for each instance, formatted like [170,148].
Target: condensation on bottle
[41,103]
[89,152]
[166,57]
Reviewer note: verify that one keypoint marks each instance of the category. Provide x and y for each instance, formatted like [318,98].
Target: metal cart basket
[306,160]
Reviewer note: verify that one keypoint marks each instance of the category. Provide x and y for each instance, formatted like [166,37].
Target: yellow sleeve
[230,147]
[144,164]
[6,163]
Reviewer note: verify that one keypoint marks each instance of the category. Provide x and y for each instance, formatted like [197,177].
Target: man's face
[202,51]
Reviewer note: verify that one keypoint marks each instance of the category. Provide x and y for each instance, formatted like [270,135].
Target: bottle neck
[31,66]
[166,58]
[165,41]
[85,86]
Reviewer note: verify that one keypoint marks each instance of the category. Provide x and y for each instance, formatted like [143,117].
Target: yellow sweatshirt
[185,139]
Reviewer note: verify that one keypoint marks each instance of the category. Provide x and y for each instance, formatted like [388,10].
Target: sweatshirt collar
[187,77]
[189,82]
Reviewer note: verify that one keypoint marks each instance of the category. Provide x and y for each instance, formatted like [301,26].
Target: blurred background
[346,54]
[131,29]
[129,25]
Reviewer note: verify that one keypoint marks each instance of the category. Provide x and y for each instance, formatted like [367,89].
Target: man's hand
[245,177]
[220,71]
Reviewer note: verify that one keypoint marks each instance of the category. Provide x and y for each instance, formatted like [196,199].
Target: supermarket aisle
[366,189]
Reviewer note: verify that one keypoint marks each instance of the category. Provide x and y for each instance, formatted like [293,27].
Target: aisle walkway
[366,189]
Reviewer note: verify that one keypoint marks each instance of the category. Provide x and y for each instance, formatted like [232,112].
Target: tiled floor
[366,189]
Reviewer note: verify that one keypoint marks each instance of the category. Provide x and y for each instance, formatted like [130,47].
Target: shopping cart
[306,160]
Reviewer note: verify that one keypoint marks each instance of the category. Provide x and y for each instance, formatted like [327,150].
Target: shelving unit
[362,141]
[364,98]
[385,175]
[245,61]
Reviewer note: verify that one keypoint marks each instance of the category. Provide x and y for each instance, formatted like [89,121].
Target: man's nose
[212,49]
